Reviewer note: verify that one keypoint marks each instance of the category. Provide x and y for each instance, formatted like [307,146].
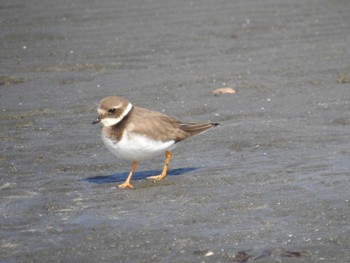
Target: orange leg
[127,184]
[165,168]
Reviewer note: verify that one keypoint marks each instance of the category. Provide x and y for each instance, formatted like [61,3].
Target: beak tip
[96,121]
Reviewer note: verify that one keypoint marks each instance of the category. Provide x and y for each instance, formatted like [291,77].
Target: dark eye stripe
[112,110]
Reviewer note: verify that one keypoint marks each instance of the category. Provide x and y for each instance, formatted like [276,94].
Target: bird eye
[112,110]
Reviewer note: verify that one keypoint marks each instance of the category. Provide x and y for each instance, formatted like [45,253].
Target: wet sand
[271,184]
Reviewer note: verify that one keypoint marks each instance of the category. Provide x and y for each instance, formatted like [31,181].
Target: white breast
[135,147]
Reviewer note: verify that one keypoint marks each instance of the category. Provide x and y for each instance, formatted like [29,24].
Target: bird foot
[156,177]
[126,185]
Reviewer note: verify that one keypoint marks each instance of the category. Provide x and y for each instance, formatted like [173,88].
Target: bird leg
[127,184]
[165,168]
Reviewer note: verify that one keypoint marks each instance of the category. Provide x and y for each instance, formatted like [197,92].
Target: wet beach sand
[271,184]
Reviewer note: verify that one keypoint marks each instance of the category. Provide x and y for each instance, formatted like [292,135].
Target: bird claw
[126,185]
[156,177]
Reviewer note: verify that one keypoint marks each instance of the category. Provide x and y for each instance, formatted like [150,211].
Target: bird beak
[97,120]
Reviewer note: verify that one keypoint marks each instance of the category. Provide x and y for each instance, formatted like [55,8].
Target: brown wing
[160,126]
[194,128]
[155,125]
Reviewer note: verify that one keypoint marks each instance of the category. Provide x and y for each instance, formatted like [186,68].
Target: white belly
[135,147]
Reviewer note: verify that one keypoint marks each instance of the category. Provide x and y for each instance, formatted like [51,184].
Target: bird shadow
[120,177]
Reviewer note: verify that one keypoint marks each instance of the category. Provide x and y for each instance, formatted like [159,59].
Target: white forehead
[101,111]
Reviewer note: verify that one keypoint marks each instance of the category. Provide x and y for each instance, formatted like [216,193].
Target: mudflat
[271,184]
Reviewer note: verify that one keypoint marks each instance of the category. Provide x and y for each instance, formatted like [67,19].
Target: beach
[270,184]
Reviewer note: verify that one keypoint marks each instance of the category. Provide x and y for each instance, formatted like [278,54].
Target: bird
[135,133]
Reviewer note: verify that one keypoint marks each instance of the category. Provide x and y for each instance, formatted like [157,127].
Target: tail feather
[194,128]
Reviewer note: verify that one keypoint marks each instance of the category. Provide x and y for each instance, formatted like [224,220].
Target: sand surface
[271,184]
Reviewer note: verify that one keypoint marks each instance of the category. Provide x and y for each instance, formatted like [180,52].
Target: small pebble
[225,90]
[209,253]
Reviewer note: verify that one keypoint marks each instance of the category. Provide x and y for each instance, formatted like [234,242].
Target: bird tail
[194,128]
